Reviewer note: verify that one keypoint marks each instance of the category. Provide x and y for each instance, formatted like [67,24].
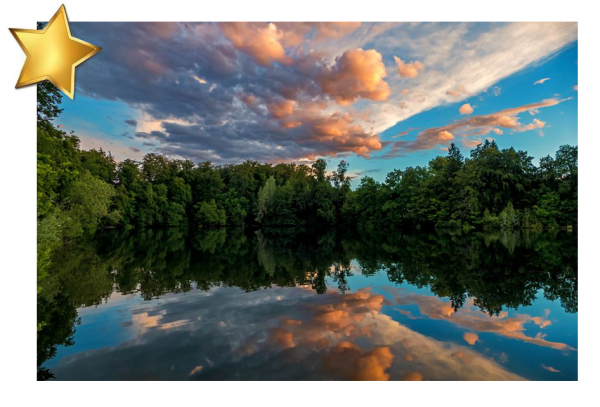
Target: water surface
[282,305]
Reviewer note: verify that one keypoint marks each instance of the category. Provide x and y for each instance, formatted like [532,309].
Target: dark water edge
[489,299]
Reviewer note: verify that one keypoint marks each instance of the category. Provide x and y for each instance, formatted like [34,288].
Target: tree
[266,199]
[208,215]
[88,202]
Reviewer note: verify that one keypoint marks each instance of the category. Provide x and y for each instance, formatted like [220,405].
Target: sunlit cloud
[541,81]
[259,40]
[477,321]
[466,109]
[471,338]
[229,90]
[294,334]
[357,74]
[408,69]
[551,369]
[507,119]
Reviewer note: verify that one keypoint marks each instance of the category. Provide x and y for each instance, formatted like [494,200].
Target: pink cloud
[541,81]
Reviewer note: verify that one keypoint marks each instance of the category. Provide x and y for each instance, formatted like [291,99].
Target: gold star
[53,54]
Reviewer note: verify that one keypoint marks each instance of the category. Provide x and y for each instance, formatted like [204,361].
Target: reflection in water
[227,305]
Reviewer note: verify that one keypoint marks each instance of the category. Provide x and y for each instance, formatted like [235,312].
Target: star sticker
[52,54]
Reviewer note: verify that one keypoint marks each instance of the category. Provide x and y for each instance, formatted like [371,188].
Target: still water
[283,305]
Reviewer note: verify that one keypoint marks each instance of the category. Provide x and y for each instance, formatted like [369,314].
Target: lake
[288,305]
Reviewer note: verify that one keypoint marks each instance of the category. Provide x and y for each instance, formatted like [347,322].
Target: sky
[378,95]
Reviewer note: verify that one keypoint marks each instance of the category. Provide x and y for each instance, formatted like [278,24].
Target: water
[281,305]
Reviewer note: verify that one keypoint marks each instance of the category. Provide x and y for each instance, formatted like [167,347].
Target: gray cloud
[203,95]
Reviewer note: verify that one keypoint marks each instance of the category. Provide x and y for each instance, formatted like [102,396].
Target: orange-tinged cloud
[195,370]
[291,124]
[551,369]
[408,69]
[471,338]
[283,338]
[350,362]
[541,81]
[412,377]
[466,109]
[338,132]
[471,143]
[446,136]
[356,74]
[282,109]
[334,336]
[477,126]
[513,327]
[536,124]
[259,40]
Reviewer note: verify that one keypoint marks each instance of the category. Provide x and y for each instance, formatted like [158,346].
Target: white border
[18,200]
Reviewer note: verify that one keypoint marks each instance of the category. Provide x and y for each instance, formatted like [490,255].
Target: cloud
[410,69]
[282,109]
[466,109]
[131,122]
[471,143]
[294,33]
[550,369]
[294,334]
[471,338]
[457,92]
[475,320]
[476,126]
[259,40]
[224,87]
[536,124]
[445,136]
[541,81]
[576,88]
[356,74]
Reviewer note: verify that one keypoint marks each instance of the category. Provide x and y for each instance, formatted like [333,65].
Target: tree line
[80,191]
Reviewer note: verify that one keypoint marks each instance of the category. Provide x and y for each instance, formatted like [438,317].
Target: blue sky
[381,96]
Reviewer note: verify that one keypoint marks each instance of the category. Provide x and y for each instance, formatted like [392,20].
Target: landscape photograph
[310,201]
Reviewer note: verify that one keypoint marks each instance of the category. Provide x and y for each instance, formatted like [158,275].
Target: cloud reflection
[276,334]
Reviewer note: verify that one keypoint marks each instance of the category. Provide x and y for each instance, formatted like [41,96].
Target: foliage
[493,189]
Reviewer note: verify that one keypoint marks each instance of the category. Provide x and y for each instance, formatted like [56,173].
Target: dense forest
[81,191]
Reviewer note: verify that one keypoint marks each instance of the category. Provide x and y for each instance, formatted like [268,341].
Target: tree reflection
[500,270]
